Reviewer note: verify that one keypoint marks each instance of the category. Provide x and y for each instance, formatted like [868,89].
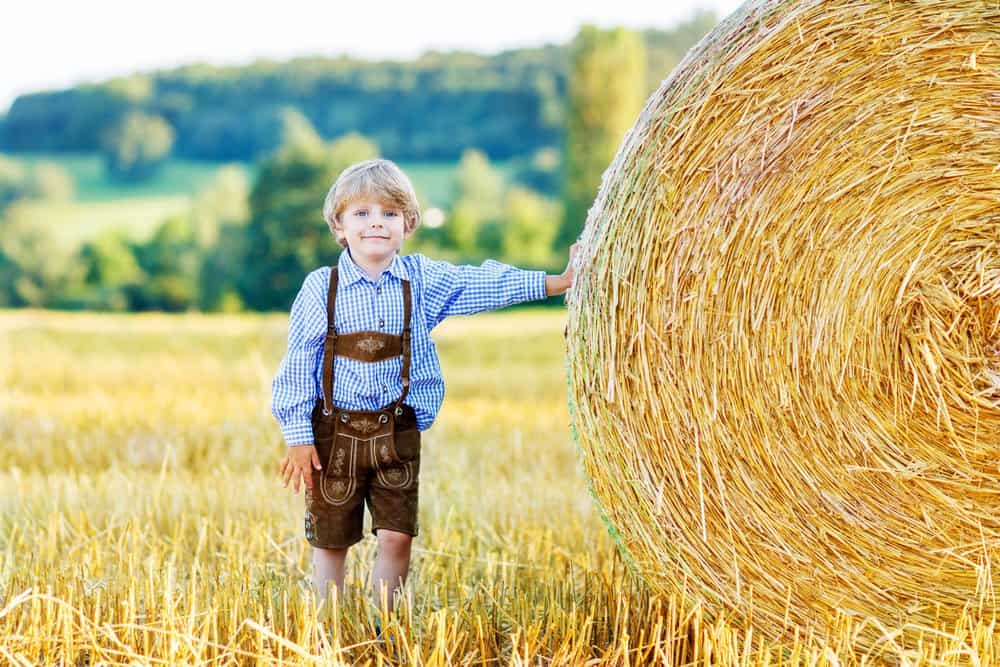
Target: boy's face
[372,231]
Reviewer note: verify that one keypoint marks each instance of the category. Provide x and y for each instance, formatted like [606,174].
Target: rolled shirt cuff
[535,287]
[297,433]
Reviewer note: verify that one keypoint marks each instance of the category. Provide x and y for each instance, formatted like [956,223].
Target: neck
[373,268]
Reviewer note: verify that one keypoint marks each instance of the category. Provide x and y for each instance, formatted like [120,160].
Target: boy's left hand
[555,285]
[570,271]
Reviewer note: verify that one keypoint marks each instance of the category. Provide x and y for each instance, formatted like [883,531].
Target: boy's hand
[555,285]
[296,463]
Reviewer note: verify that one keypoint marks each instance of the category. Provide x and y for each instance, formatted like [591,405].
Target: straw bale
[784,340]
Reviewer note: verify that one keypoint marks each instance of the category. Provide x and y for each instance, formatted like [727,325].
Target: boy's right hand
[296,464]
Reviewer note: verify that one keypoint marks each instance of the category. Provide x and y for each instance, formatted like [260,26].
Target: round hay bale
[784,338]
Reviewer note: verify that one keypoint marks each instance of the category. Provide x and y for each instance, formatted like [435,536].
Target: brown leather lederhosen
[368,456]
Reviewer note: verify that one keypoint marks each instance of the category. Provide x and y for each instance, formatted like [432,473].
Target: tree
[171,260]
[13,181]
[136,146]
[477,205]
[51,181]
[35,269]
[530,226]
[111,274]
[606,92]
[226,199]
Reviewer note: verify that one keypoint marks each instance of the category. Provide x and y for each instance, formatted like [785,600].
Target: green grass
[75,222]
[177,177]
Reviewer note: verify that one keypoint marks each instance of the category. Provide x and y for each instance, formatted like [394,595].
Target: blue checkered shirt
[439,289]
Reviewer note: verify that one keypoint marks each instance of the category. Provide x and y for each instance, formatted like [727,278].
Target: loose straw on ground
[784,340]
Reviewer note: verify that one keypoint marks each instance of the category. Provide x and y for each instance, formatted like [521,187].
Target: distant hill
[431,108]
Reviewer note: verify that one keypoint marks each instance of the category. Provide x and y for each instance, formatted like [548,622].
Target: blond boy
[361,377]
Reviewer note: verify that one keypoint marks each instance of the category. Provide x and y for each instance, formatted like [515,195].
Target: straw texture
[784,338]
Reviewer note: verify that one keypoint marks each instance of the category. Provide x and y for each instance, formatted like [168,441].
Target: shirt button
[381,323]
[378,290]
[384,389]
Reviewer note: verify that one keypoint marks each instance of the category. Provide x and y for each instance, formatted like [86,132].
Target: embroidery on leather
[365,424]
[397,477]
[370,344]
[338,463]
[384,452]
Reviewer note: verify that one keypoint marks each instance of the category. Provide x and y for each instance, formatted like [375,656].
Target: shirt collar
[351,273]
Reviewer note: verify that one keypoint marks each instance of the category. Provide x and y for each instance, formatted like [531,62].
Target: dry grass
[143,522]
[785,359]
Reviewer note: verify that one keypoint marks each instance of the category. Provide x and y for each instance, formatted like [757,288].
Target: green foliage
[606,91]
[112,275]
[13,178]
[34,269]
[477,202]
[51,181]
[540,171]
[531,224]
[39,181]
[136,146]
[171,260]
[226,199]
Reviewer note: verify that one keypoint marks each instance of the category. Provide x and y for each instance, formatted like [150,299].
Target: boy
[361,377]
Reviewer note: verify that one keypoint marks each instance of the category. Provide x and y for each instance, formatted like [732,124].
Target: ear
[338,227]
[409,228]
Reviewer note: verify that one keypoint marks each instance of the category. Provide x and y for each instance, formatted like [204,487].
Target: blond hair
[378,179]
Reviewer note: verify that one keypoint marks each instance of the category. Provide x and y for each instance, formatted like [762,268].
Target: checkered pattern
[439,290]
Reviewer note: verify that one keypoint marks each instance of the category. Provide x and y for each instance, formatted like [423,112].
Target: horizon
[270,38]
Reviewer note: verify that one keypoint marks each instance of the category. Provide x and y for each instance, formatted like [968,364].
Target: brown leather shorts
[368,457]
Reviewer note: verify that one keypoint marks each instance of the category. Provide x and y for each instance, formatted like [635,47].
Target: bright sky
[51,44]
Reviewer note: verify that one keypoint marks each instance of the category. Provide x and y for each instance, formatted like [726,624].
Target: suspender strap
[405,370]
[331,343]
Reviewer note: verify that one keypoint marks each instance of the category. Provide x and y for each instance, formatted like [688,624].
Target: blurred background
[175,157]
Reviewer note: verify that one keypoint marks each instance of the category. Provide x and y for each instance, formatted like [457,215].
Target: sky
[52,44]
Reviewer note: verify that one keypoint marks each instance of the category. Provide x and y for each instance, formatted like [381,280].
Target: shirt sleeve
[294,391]
[450,289]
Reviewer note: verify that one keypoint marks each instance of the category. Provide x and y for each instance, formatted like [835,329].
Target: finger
[296,479]
[315,460]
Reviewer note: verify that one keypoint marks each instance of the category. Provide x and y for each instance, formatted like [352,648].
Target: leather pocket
[407,445]
[338,476]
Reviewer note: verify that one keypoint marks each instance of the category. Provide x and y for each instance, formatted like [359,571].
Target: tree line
[431,108]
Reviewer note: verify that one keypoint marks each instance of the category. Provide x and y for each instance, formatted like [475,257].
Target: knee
[320,553]
[394,542]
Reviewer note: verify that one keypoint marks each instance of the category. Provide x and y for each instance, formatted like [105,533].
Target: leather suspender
[329,348]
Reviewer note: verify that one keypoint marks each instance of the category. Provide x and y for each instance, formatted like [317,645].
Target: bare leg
[328,566]
[392,563]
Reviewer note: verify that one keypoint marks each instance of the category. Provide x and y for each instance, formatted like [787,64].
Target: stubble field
[143,522]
